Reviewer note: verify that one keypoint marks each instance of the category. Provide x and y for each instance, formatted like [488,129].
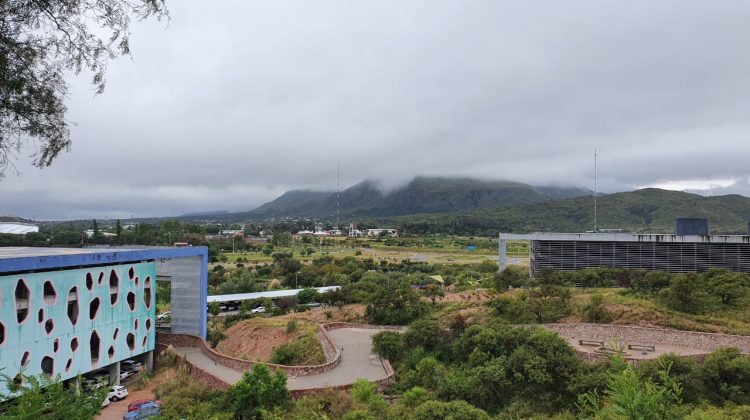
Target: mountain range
[421,195]
[649,210]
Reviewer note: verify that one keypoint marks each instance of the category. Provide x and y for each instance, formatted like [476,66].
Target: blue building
[71,311]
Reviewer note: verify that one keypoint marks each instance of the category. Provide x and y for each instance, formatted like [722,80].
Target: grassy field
[435,251]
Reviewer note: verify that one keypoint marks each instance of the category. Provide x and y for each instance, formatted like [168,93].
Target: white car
[259,310]
[105,402]
[117,393]
[163,316]
[130,365]
[125,374]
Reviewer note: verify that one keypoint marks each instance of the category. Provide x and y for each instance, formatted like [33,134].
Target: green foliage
[258,390]
[628,396]
[214,308]
[653,281]
[388,345]
[43,397]
[292,325]
[214,335]
[729,287]
[726,375]
[307,296]
[512,276]
[184,398]
[455,410]
[424,333]
[303,350]
[394,304]
[683,370]
[595,311]
[433,291]
[363,390]
[720,413]
[686,293]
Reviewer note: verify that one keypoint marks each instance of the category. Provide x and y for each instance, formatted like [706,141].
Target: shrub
[388,345]
[595,311]
[304,350]
[258,390]
[292,326]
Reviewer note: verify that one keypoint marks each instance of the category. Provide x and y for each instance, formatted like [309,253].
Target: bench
[584,342]
[649,347]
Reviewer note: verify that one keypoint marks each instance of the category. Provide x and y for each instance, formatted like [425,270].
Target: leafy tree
[214,308]
[425,333]
[726,375]
[118,230]
[398,304]
[258,390]
[285,304]
[307,296]
[548,303]
[653,281]
[595,311]
[455,410]
[628,396]
[40,43]
[433,291]
[684,370]
[42,397]
[687,293]
[281,239]
[388,345]
[728,287]
[512,276]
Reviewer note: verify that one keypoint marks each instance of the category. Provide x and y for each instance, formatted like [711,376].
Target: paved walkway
[357,361]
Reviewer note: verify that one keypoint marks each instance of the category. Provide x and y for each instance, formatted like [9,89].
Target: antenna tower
[595,192]
[338,191]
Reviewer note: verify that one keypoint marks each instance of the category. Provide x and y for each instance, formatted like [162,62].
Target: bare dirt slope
[254,340]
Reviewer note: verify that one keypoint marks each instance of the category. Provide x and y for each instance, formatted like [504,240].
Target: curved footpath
[357,361]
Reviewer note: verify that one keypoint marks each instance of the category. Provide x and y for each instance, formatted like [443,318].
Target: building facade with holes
[71,311]
[671,252]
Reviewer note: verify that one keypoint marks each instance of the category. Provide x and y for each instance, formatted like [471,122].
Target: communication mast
[595,192]
[338,191]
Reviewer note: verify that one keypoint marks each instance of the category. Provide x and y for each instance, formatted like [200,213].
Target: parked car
[117,393]
[164,316]
[105,402]
[130,365]
[135,405]
[259,310]
[313,304]
[125,374]
[149,409]
[95,383]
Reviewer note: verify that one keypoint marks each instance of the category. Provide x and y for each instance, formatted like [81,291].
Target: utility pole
[595,192]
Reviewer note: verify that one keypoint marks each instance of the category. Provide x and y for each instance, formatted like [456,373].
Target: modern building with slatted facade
[672,253]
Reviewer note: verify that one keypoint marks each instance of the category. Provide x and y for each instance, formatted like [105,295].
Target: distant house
[17,228]
[378,232]
[90,233]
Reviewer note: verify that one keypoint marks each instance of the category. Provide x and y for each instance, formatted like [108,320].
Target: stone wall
[164,340]
[333,355]
[652,335]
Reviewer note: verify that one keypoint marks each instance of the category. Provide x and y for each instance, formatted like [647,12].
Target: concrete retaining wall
[164,340]
[188,340]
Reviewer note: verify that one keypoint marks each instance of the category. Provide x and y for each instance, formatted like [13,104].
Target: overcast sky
[229,105]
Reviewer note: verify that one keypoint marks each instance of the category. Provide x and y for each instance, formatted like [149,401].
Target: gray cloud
[227,107]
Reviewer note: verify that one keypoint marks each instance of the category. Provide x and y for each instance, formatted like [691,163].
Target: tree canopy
[41,41]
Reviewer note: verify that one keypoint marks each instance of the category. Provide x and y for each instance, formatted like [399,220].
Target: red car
[135,405]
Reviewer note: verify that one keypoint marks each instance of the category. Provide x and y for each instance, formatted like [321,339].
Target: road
[357,361]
